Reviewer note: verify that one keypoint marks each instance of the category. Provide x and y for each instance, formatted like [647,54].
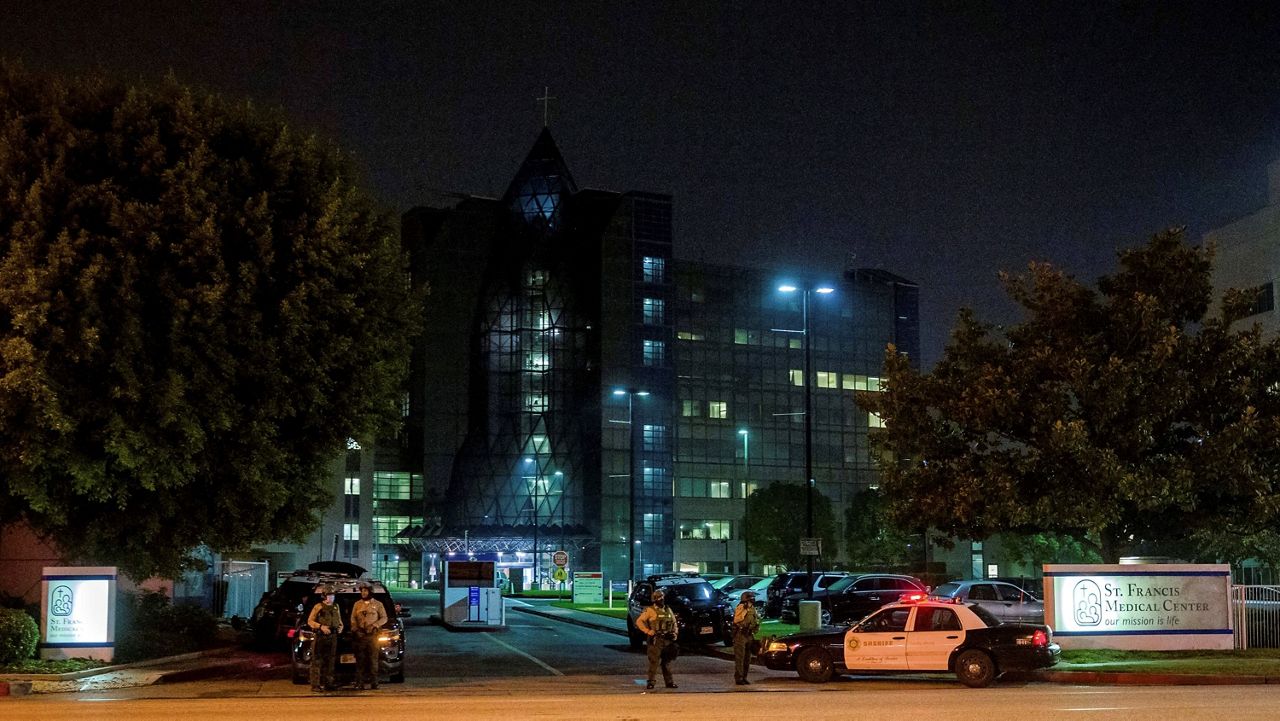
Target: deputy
[745,624]
[325,622]
[368,615]
[659,624]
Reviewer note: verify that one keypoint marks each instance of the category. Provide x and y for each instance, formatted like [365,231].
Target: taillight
[292,632]
[1039,638]
[912,597]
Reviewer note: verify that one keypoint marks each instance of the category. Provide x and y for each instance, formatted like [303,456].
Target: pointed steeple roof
[541,185]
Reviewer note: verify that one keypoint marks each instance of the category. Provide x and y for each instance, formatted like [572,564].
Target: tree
[776,523]
[198,307]
[873,541]
[1125,416]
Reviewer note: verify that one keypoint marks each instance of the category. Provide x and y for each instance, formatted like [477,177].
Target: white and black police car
[917,635]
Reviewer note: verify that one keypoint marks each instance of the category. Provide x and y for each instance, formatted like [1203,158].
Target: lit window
[654,311]
[690,335]
[351,486]
[691,409]
[794,343]
[797,377]
[655,353]
[655,438]
[874,421]
[397,485]
[654,482]
[536,402]
[536,361]
[719,489]
[718,409]
[541,444]
[705,530]
[404,405]
[827,379]
[860,382]
[385,528]
[747,488]
[655,269]
[351,531]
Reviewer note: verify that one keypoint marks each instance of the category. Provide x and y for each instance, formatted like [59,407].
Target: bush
[149,626]
[18,636]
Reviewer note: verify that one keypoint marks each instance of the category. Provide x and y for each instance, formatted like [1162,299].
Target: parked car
[1033,586]
[703,614]
[729,584]
[1005,601]
[917,637]
[277,611]
[785,584]
[391,650]
[758,588]
[853,597]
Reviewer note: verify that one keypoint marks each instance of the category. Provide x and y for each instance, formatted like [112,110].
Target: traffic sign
[560,558]
[810,547]
[560,575]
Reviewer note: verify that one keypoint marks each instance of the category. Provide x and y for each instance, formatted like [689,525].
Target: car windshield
[985,615]
[946,589]
[701,591]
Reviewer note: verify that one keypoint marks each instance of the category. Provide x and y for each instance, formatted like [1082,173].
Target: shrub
[18,635]
[149,626]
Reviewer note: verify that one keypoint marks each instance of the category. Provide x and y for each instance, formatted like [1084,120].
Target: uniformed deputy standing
[326,622]
[367,618]
[745,624]
[659,624]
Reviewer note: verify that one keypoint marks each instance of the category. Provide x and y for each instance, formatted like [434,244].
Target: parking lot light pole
[808,413]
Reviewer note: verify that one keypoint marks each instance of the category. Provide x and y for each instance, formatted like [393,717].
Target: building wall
[1248,256]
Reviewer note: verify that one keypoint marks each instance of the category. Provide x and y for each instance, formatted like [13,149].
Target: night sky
[938,141]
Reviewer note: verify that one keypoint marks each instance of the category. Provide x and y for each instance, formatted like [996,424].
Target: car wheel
[814,665]
[634,636]
[975,669]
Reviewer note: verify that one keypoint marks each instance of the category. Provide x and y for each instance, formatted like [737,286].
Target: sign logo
[852,642]
[1087,598]
[61,601]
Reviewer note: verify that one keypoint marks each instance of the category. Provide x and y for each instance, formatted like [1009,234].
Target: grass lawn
[1253,662]
[619,610]
[35,665]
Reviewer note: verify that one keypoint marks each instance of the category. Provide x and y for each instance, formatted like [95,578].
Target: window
[827,379]
[655,438]
[690,409]
[654,270]
[351,486]
[874,421]
[701,530]
[690,335]
[385,528]
[535,402]
[936,619]
[655,482]
[741,336]
[856,382]
[748,487]
[654,311]
[797,377]
[655,353]
[718,409]
[719,489]
[397,485]
[404,404]
[351,531]
[890,620]
[982,592]
[1263,299]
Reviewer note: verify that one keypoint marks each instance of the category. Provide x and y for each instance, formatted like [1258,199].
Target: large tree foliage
[197,307]
[873,541]
[775,523]
[1125,415]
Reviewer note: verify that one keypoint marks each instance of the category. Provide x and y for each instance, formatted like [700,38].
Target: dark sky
[938,141]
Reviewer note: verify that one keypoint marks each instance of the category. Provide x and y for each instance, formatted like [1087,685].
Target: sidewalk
[605,623]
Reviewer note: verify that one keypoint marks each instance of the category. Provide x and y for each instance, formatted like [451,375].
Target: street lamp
[631,394]
[746,482]
[808,410]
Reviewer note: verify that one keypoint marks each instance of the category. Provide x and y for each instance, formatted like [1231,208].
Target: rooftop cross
[546,103]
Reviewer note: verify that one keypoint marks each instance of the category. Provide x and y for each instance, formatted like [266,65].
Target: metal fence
[238,587]
[1255,616]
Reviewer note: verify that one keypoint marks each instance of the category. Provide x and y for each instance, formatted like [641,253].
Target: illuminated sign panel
[78,612]
[1150,606]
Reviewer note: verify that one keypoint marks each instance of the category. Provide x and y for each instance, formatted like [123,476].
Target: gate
[1255,616]
[238,588]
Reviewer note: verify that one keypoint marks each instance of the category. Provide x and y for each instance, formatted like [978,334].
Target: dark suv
[702,613]
[852,598]
[791,582]
[277,611]
[390,640]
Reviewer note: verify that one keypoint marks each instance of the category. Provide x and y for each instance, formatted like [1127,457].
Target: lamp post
[528,461]
[631,394]
[808,412]
[746,482]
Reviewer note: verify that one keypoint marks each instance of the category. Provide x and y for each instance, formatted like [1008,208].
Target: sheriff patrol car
[917,635]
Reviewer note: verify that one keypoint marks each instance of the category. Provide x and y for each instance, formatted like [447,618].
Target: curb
[567,619]
[1139,678]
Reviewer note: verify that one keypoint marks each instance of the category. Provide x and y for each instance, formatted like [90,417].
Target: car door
[851,604]
[879,642]
[1020,606]
[936,631]
[984,594]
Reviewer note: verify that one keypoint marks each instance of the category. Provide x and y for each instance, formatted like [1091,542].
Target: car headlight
[306,635]
[776,646]
[388,636]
